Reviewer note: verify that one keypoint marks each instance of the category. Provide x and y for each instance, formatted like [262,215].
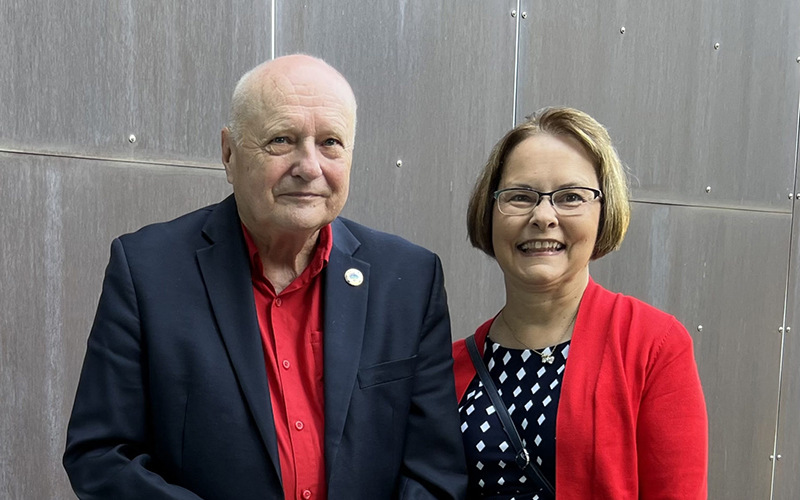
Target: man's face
[290,169]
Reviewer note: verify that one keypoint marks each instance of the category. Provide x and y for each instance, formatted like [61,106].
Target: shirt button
[299,426]
[286,364]
[306,494]
[278,302]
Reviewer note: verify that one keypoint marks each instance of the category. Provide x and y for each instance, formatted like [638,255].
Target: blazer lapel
[226,272]
[343,332]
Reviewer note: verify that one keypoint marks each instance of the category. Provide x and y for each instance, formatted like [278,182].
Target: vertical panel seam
[516,66]
[272,30]
[785,310]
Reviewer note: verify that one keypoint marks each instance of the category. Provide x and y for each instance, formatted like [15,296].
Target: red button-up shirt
[291,335]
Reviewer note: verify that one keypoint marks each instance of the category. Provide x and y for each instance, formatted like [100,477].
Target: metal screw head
[524,15]
[797,195]
[788,329]
[399,163]
[514,13]
[791,195]
[716,46]
[131,138]
[798,59]
[772,457]
[699,328]
[622,30]
[708,189]
[780,329]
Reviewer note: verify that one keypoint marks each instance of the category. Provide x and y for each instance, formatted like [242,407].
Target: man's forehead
[283,98]
[303,75]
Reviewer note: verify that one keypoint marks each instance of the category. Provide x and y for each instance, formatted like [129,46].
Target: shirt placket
[296,411]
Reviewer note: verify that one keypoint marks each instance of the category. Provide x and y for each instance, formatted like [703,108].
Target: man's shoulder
[183,228]
[373,239]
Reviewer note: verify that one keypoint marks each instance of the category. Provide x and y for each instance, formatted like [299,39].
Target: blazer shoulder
[374,240]
[180,229]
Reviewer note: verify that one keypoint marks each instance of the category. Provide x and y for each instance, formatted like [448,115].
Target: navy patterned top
[530,389]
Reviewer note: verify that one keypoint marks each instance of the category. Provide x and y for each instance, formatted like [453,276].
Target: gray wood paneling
[80,76]
[684,115]
[725,270]
[58,217]
[434,83]
[787,468]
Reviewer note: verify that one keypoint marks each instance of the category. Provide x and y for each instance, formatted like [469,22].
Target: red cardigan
[631,420]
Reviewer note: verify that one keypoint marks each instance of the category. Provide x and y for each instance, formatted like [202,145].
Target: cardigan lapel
[226,273]
[343,332]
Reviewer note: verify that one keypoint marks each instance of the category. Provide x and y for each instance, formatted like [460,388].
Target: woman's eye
[570,197]
[521,198]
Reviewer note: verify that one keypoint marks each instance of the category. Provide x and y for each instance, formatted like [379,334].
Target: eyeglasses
[565,201]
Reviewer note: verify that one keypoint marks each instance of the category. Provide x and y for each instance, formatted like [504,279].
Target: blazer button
[286,364]
[299,426]
[307,494]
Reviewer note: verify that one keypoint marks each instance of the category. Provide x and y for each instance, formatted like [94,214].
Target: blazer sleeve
[672,431]
[107,454]
[434,466]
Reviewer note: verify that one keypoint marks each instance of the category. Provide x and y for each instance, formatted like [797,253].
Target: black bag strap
[523,458]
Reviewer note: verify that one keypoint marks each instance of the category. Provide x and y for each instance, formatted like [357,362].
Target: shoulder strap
[523,459]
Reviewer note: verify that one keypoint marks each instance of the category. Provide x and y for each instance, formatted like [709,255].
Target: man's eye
[280,140]
[331,142]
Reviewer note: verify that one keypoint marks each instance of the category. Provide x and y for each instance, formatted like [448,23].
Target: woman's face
[544,250]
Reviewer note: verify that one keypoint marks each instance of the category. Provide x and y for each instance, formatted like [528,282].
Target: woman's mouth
[538,247]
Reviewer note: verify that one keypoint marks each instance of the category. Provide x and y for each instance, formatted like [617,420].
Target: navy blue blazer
[173,400]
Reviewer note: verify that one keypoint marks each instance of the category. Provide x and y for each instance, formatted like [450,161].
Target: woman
[608,378]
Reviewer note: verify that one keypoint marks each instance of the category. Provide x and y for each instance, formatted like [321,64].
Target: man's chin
[305,222]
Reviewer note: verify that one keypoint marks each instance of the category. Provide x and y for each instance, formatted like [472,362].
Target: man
[262,347]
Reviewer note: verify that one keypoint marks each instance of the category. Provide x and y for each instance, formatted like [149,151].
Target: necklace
[547,357]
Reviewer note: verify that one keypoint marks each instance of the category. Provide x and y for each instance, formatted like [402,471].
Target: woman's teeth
[540,246]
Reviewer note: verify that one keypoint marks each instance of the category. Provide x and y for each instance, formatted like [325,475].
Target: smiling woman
[614,379]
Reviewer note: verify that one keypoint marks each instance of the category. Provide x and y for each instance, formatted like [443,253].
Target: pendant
[548,358]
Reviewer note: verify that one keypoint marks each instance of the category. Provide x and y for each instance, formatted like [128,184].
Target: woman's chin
[543,277]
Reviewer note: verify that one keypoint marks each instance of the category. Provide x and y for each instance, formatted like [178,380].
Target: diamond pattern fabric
[530,390]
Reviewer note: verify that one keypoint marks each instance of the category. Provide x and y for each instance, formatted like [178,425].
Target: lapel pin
[353,277]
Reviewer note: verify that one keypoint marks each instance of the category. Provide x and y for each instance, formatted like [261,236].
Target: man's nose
[306,165]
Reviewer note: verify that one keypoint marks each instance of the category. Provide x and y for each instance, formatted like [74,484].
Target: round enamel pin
[353,277]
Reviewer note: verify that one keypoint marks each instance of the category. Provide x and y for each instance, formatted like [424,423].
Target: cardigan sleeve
[672,427]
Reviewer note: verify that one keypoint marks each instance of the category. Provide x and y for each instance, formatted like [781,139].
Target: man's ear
[228,156]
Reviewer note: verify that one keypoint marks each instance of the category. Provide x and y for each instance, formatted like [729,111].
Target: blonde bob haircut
[560,122]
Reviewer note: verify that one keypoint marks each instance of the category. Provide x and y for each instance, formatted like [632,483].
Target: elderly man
[263,348]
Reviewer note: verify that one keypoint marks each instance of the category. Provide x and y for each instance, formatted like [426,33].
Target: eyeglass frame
[597,195]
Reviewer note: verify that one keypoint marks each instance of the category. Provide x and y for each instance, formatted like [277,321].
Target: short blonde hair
[564,122]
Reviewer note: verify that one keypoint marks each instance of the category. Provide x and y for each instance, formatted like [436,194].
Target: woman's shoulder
[463,370]
[460,345]
[626,313]
[643,334]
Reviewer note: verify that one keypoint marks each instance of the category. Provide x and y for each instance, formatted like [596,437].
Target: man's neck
[284,256]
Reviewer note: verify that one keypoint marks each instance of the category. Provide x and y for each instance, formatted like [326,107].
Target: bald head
[288,148]
[275,78]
